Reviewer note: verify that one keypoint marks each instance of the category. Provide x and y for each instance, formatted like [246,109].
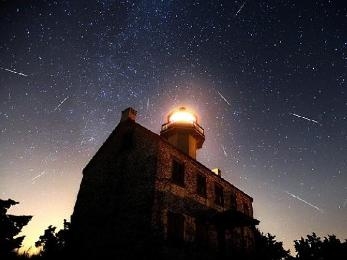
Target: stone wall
[186,201]
[126,193]
[113,207]
[165,157]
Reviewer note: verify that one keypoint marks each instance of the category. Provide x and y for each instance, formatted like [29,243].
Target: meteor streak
[308,119]
[38,176]
[304,201]
[241,7]
[223,98]
[15,72]
[55,109]
[224,151]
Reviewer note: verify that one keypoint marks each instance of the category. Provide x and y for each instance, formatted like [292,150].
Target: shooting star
[304,201]
[224,151]
[90,139]
[147,104]
[223,98]
[15,72]
[241,7]
[345,203]
[38,176]
[308,119]
[62,102]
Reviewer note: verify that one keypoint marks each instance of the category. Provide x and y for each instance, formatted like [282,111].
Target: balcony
[194,125]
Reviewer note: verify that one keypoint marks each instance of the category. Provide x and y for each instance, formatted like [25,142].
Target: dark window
[201,232]
[201,185]
[177,173]
[218,192]
[245,208]
[233,203]
[175,228]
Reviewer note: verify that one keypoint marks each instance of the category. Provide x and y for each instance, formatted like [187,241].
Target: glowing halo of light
[182,115]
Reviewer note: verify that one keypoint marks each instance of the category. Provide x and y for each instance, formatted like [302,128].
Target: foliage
[10,227]
[54,244]
[314,248]
[267,248]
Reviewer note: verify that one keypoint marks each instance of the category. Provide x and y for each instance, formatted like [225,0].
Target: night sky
[267,80]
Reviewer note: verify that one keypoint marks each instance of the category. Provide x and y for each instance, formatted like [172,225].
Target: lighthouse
[183,131]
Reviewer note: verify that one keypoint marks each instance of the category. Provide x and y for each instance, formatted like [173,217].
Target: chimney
[217,171]
[128,114]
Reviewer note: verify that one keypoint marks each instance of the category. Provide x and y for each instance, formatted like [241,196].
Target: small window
[219,197]
[177,173]
[201,185]
[233,202]
[201,232]
[175,228]
[245,208]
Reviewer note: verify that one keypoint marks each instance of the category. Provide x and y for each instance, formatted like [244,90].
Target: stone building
[145,195]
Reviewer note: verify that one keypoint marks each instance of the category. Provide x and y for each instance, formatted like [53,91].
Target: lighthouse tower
[183,131]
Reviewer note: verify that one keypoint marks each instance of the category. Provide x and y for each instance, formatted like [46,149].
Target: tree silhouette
[267,248]
[10,227]
[54,244]
[312,248]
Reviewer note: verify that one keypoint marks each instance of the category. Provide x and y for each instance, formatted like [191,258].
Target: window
[201,185]
[175,228]
[177,173]
[201,232]
[245,208]
[218,193]
[233,202]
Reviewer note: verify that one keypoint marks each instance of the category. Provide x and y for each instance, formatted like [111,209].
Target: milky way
[68,68]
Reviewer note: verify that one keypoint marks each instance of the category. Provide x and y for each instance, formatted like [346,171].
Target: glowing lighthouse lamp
[183,131]
[182,115]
